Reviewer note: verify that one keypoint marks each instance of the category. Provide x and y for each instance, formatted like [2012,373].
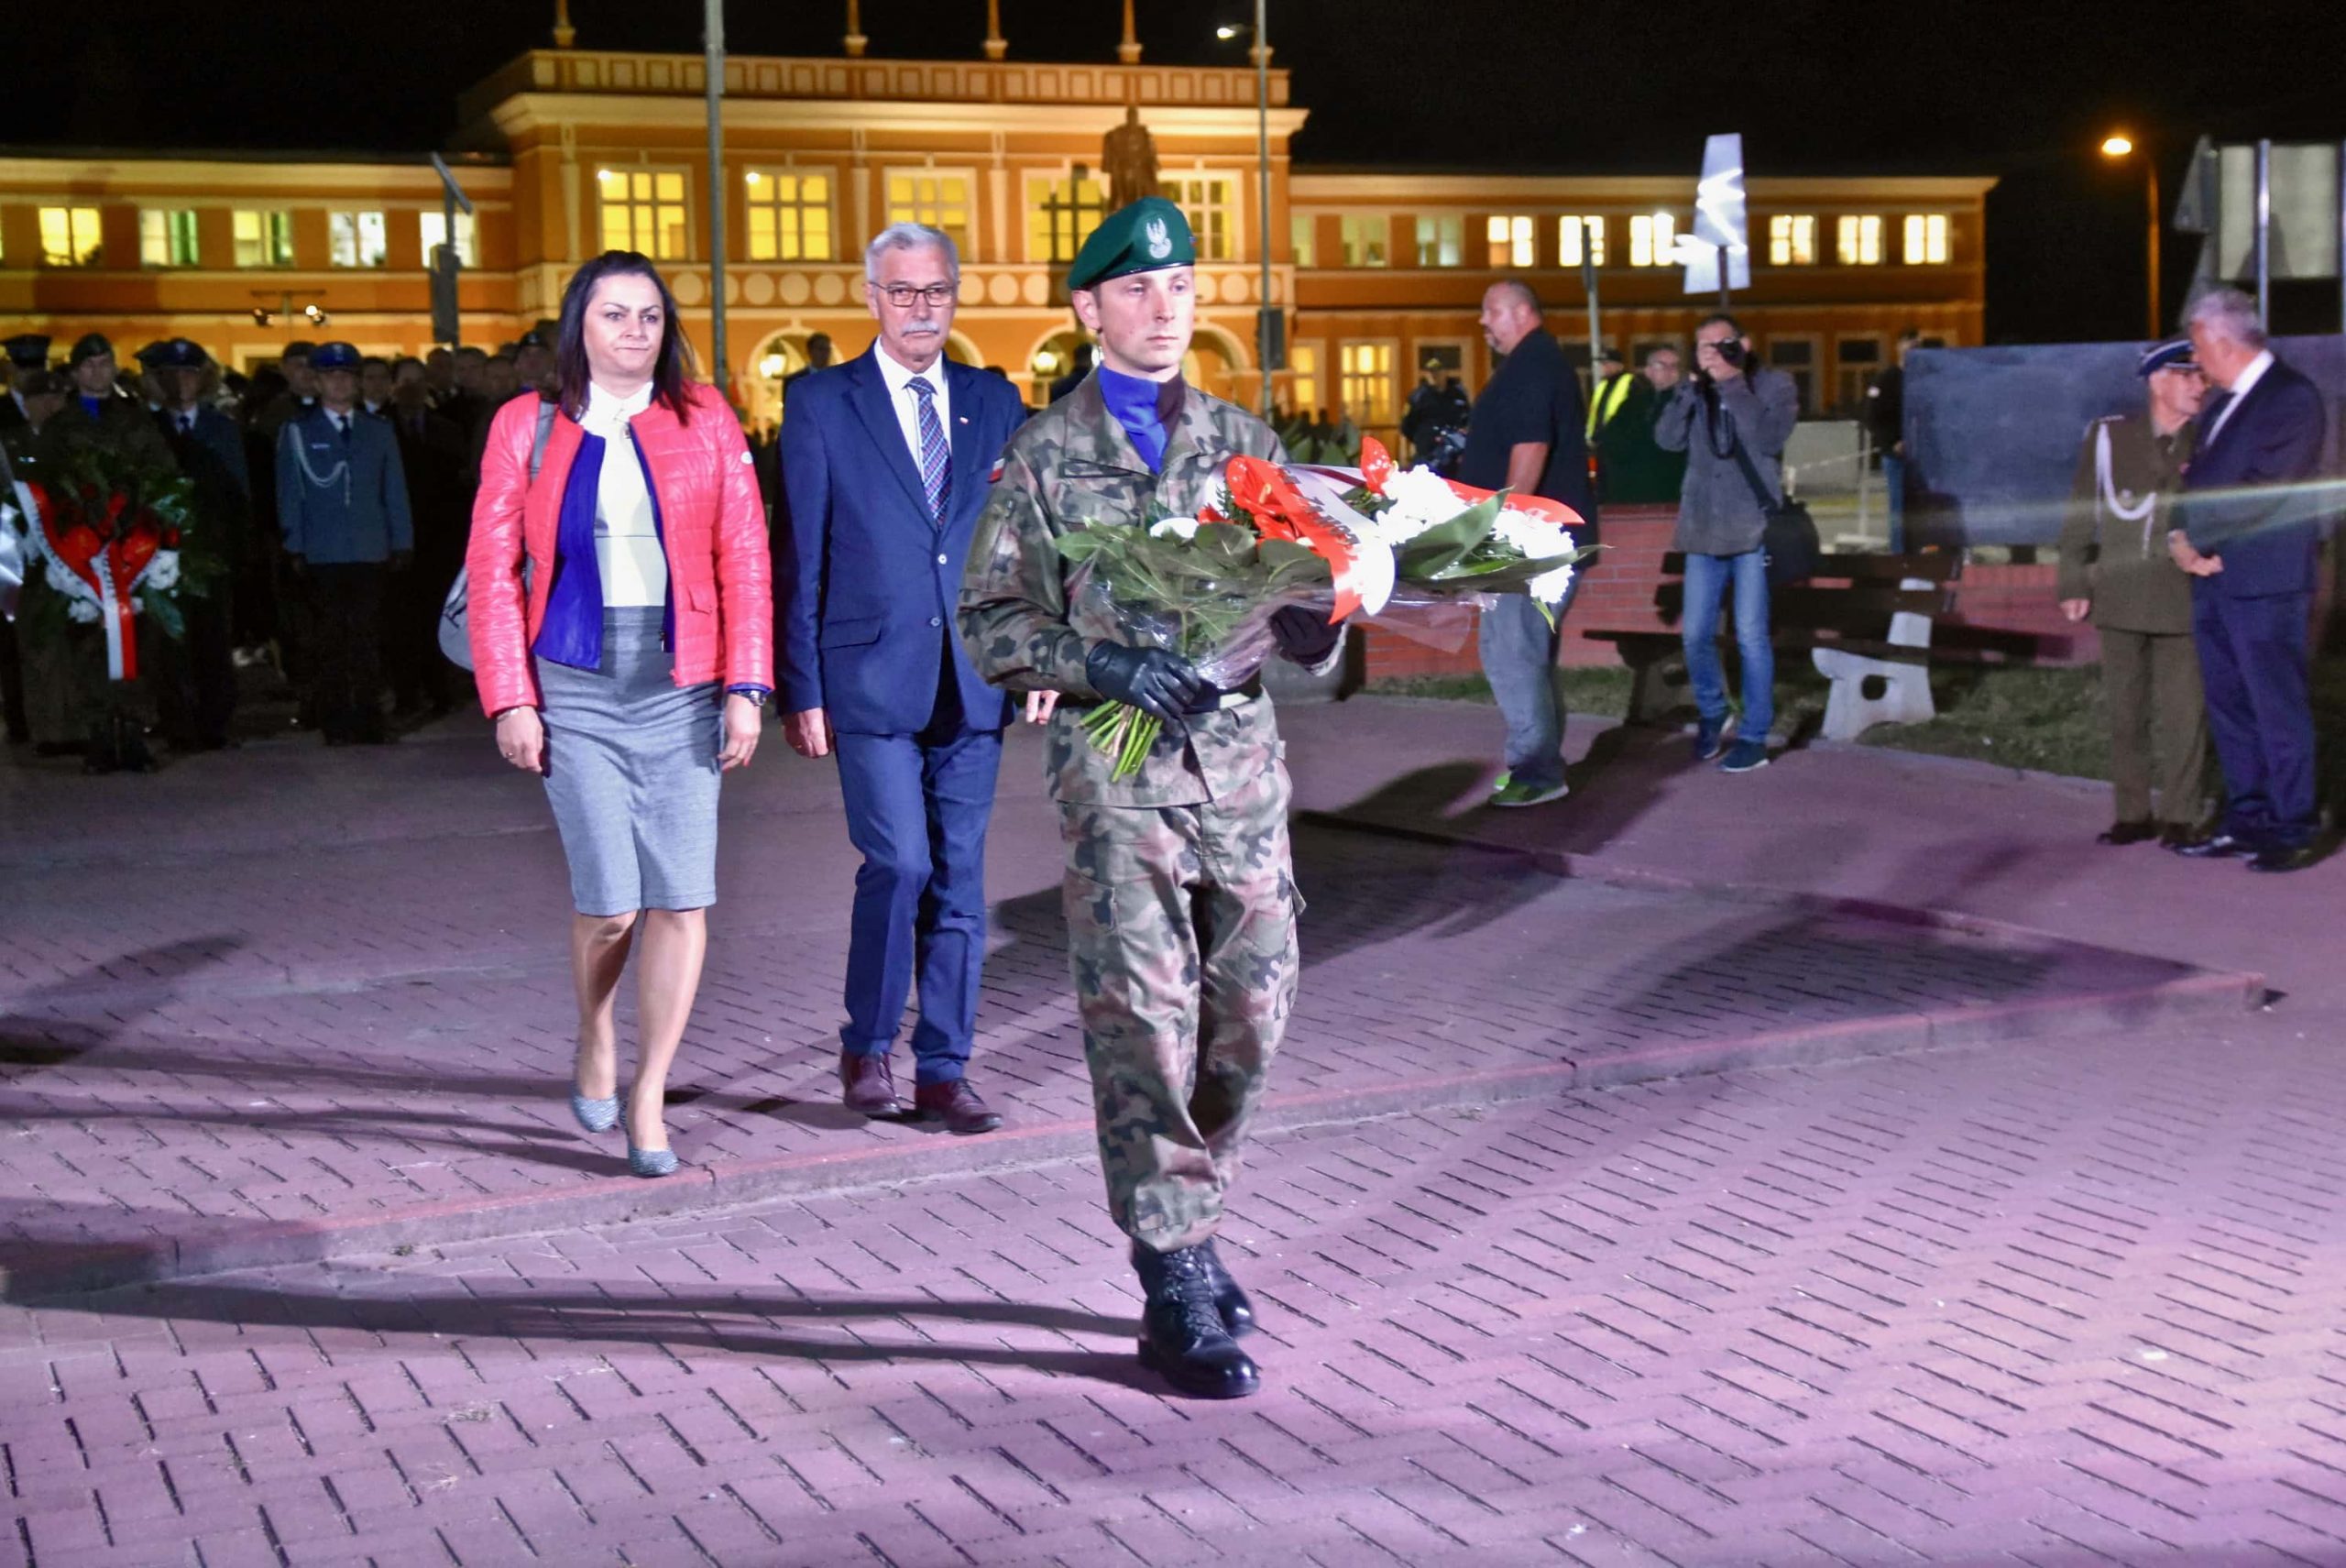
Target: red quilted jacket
[720,578]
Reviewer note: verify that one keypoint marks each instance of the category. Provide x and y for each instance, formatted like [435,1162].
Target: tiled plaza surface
[2046,1300]
[329,1008]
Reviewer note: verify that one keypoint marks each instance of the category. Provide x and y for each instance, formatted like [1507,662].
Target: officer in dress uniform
[2115,567]
[1179,893]
[341,507]
[28,356]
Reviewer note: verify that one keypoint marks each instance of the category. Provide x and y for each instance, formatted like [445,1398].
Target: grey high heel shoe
[595,1115]
[650,1162]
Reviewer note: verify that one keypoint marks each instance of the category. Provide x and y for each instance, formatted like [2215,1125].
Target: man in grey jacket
[1731,403]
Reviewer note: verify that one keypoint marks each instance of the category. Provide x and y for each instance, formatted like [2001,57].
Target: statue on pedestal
[1128,161]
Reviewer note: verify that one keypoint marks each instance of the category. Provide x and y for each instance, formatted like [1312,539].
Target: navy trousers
[918,807]
[2252,664]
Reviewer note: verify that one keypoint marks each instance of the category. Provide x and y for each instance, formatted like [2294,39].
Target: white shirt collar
[608,415]
[898,378]
[2241,385]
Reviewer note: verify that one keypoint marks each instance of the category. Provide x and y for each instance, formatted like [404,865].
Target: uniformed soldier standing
[1179,893]
[2115,567]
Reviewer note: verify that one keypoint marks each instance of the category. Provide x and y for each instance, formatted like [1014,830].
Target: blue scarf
[1137,406]
[572,632]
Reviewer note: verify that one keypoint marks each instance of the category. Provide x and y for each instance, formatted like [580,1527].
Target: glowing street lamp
[2116,146]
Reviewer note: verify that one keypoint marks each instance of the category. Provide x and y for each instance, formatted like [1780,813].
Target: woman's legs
[598,949]
[667,978]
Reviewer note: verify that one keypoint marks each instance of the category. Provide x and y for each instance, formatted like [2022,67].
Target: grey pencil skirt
[631,771]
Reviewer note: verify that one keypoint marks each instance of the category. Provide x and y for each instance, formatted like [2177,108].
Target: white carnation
[1421,499]
[163,572]
[1534,535]
[84,610]
[1548,587]
[1182,527]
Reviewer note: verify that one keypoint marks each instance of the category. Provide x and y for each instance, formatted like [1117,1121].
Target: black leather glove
[1159,682]
[1304,635]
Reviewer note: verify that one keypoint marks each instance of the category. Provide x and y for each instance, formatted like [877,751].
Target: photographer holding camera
[1732,421]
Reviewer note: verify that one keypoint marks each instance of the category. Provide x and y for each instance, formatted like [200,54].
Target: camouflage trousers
[1181,934]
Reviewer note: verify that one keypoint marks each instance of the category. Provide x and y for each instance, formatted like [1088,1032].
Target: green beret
[1145,236]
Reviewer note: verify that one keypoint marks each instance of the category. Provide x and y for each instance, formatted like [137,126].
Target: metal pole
[1725,301]
[2342,236]
[2151,329]
[1263,150]
[713,69]
[2263,234]
[1588,281]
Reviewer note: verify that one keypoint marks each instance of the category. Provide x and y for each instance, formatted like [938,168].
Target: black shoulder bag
[1789,537]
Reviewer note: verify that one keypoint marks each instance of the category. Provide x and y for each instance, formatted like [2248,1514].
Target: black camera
[1732,351]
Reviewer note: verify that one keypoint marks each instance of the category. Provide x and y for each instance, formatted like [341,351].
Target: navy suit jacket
[869,582]
[2246,496]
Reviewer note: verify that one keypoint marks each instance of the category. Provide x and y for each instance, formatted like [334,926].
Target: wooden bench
[1864,618]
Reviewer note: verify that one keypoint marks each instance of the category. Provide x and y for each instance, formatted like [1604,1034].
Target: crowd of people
[335,490]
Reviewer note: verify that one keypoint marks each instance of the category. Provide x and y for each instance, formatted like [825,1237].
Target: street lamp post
[1268,337]
[2118,145]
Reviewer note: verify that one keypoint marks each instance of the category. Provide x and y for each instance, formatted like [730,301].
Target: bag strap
[538,445]
[1751,470]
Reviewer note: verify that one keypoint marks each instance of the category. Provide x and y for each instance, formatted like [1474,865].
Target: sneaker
[1710,738]
[1744,756]
[1512,791]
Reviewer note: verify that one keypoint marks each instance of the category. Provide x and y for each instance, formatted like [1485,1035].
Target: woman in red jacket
[620,614]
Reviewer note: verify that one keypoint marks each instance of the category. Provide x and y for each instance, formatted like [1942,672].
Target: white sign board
[1721,218]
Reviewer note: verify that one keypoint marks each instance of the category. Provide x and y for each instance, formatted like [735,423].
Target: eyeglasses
[901,295]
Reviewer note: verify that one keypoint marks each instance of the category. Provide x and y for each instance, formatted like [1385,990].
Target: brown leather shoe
[868,1087]
[957,1105]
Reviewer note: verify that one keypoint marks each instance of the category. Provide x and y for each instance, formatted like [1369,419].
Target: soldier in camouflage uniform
[1179,893]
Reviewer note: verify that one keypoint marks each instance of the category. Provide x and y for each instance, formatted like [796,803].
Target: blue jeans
[1519,649]
[1893,484]
[1707,578]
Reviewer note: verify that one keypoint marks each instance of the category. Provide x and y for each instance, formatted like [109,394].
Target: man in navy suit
[198,692]
[884,465]
[2251,537]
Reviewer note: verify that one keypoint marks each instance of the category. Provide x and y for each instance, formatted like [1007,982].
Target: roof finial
[565,35]
[1129,51]
[996,45]
[855,40]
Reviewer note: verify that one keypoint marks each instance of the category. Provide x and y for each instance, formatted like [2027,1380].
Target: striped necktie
[936,458]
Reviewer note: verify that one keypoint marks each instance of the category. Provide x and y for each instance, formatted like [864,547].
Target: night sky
[2023,91]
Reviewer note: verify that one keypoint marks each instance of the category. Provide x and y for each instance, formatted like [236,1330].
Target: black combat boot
[1183,1338]
[1237,1311]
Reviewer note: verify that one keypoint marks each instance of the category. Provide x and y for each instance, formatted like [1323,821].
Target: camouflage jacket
[1070,466]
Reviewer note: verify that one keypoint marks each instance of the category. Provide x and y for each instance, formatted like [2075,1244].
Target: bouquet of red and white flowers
[1370,542]
[113,537]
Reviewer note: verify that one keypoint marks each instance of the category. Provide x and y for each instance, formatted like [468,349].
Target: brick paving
[324,1005]
[2045,1303]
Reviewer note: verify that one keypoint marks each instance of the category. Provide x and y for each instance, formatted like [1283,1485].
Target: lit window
[1509,242]
[1204,199]
[436,234]
[1366,236]
[1925,239]
[1442,242]
[928,196]
[167,239]
[1302,230]
[1857,239]
[263,239]
[790,215]
[1653,239]
[68,237]
[1061,215]
[1366,382]
[1303,358]
[1792,240]
[1579,235]
[643,210]
[356,239]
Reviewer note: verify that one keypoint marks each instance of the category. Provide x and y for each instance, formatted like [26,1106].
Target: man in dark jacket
[197,694]
[2115,566]
[1732,421]
[432,451]
[1527,435]
[2251,537]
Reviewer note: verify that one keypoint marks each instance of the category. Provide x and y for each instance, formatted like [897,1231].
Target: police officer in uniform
[1180,895]
[2115,567]
[341,507]
[199,698]
[28,356]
